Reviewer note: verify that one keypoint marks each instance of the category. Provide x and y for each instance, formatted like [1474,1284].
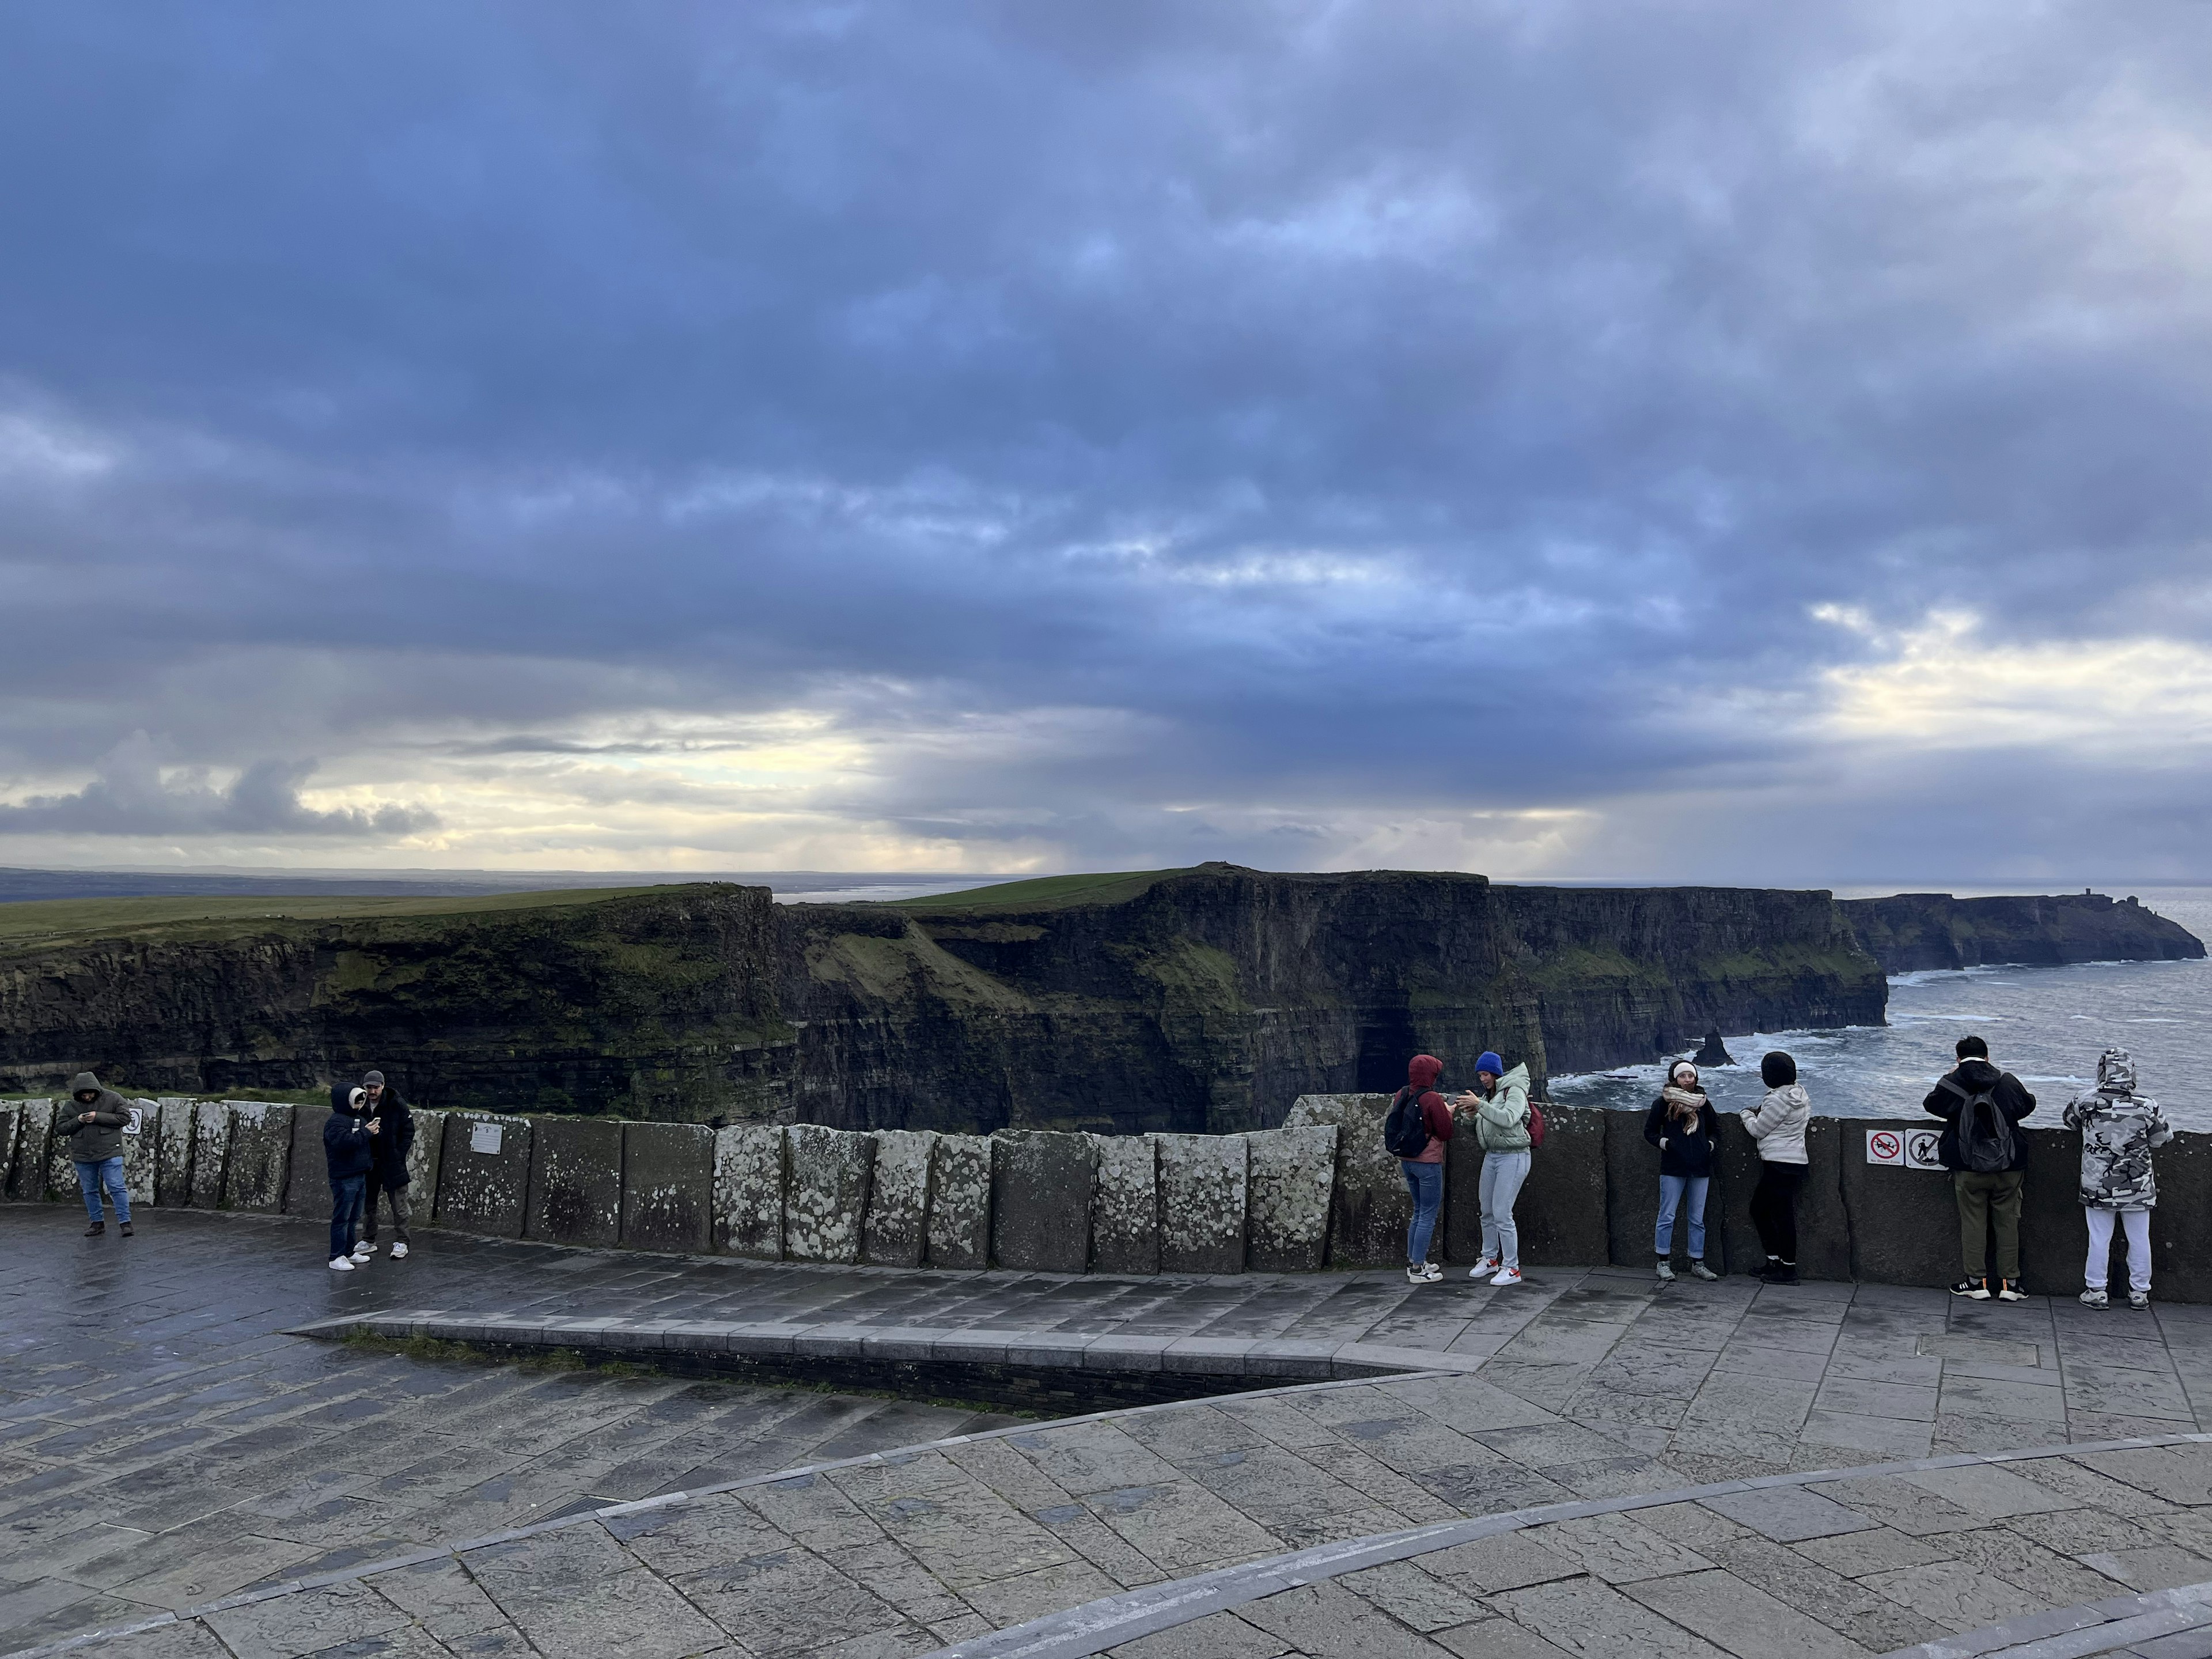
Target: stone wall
[1319,1194]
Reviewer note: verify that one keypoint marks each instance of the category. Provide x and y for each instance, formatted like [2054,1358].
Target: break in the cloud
[1696,438]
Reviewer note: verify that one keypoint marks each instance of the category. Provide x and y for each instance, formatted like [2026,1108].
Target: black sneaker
[95,1229]
[1976,1290]
[126,1230]
[2008,1290]
[1780,1272]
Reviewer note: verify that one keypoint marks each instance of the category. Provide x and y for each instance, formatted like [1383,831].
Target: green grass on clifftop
[42,922]
[1044,892]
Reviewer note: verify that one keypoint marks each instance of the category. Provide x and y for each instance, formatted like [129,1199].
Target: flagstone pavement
[1587,1464]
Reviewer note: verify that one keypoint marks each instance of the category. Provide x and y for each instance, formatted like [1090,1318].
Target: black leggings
[1774,1208]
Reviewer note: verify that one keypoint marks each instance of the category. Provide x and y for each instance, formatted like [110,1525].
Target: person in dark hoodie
[1987,1155]
[1682,1126]
[1417,1134]
[93,1125]
[387,1175]
[349,1151]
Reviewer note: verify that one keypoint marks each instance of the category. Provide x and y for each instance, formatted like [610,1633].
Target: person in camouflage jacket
[2118,1129]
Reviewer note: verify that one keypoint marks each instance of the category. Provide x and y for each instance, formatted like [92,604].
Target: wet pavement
[163,1446]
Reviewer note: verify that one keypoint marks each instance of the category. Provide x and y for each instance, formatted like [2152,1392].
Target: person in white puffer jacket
[1777,1124]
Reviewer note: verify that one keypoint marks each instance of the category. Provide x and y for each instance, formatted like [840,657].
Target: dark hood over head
[85,1083]
[1423,1071]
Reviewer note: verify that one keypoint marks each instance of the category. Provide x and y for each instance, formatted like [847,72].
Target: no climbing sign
[1904,1149]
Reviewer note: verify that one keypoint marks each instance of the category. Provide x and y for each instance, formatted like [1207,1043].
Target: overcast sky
[1729,441]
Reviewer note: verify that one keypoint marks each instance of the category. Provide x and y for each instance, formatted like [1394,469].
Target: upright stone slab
[826,1192]
[210,1152]
[141,1150]
[897,1233]
[1903,1223]
[1370,1208]
[749,1191]
[484,1174]
[1824,1226]
[11,1118]
[260,1156]
[960,1202]
[668,1187]
[424,1158]
[1290,1174]
[61,1166]
[1125,1206]
[308,1188]
[1203,1184]
[1041,1181]
[2181,1223]
[1560,1212]
[576,1181]
[173,1160]
[35,1131]
[1632,1194]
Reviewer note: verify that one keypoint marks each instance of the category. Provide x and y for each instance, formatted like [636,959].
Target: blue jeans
[345,1211]
[1672,1189]
[1426,1183]
[107,1172]
[1501,1176]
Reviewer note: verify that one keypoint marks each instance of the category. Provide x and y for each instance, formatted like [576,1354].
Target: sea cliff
[1201,1001]
[1914,932]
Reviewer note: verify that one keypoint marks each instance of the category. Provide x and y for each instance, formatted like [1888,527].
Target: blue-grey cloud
[1358,409]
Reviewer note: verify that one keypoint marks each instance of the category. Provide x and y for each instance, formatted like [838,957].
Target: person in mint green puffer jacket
[1500,1105]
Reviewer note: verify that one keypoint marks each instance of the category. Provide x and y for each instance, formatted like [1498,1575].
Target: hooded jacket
[1501,1123]
[1777,1123]
[2119,1128]
[102,1138]
[1974,1076]
[1421,1074]
[349,1149]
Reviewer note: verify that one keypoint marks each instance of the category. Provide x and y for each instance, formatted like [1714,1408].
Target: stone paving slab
[163,1445]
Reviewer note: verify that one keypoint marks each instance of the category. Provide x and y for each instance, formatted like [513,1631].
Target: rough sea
[2047,1026]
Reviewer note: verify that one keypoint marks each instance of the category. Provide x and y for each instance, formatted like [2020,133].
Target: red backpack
[1535,1126]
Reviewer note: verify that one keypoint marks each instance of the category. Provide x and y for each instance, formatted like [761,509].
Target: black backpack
[1404,1135]
[1986,1142]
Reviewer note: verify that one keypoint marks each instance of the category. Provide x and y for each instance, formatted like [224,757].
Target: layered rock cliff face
[1914,932]
[1200,1000]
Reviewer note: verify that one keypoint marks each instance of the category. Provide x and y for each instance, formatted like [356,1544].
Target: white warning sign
[1905,1149]
[486,1136]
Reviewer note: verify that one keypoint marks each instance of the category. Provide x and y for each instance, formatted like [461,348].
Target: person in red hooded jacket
[1425,1170]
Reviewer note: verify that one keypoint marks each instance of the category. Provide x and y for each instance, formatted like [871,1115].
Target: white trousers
[2101,1247]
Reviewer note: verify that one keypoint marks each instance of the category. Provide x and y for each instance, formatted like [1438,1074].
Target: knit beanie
[1487,1062]
[1777,1070]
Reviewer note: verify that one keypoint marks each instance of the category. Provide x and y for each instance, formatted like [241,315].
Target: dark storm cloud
[130,797]
[1414,401]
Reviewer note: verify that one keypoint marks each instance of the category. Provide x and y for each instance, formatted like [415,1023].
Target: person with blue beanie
[1499,1100]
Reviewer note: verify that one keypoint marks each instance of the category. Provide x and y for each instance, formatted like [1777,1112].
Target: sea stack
[1715,1052]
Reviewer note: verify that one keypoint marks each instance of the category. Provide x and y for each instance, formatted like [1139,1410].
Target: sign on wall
[486,1136]
[1905,1149]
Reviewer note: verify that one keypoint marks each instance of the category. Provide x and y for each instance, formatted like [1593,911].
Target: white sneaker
[2138,1298]
[1483,1268]
[363,1258]
[365,1246]
[1423,1272]
[2095,1299]
[1507,1276]
[1665,1273]
[399,1251]
[341,1264]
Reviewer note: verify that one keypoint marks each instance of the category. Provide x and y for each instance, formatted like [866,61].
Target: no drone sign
[1904,1149]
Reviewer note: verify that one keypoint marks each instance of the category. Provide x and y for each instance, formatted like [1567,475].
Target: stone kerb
[1040,1184]
[748,1215]
[1290,1173]
[959,1226]
[667,1185]
[210,1152]
[172,1155]
[1204,1192]
[1370,1208]
[826,1192]
[260,1157]
[484,1174]
[897,1231]
[1125,1204]
[576,1181]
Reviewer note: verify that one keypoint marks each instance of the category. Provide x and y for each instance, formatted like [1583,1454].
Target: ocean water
[2046,1025]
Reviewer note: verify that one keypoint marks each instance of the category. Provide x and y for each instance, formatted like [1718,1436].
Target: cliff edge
[1915,932]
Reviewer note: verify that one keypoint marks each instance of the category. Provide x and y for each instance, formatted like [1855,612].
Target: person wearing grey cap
[387,1175]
